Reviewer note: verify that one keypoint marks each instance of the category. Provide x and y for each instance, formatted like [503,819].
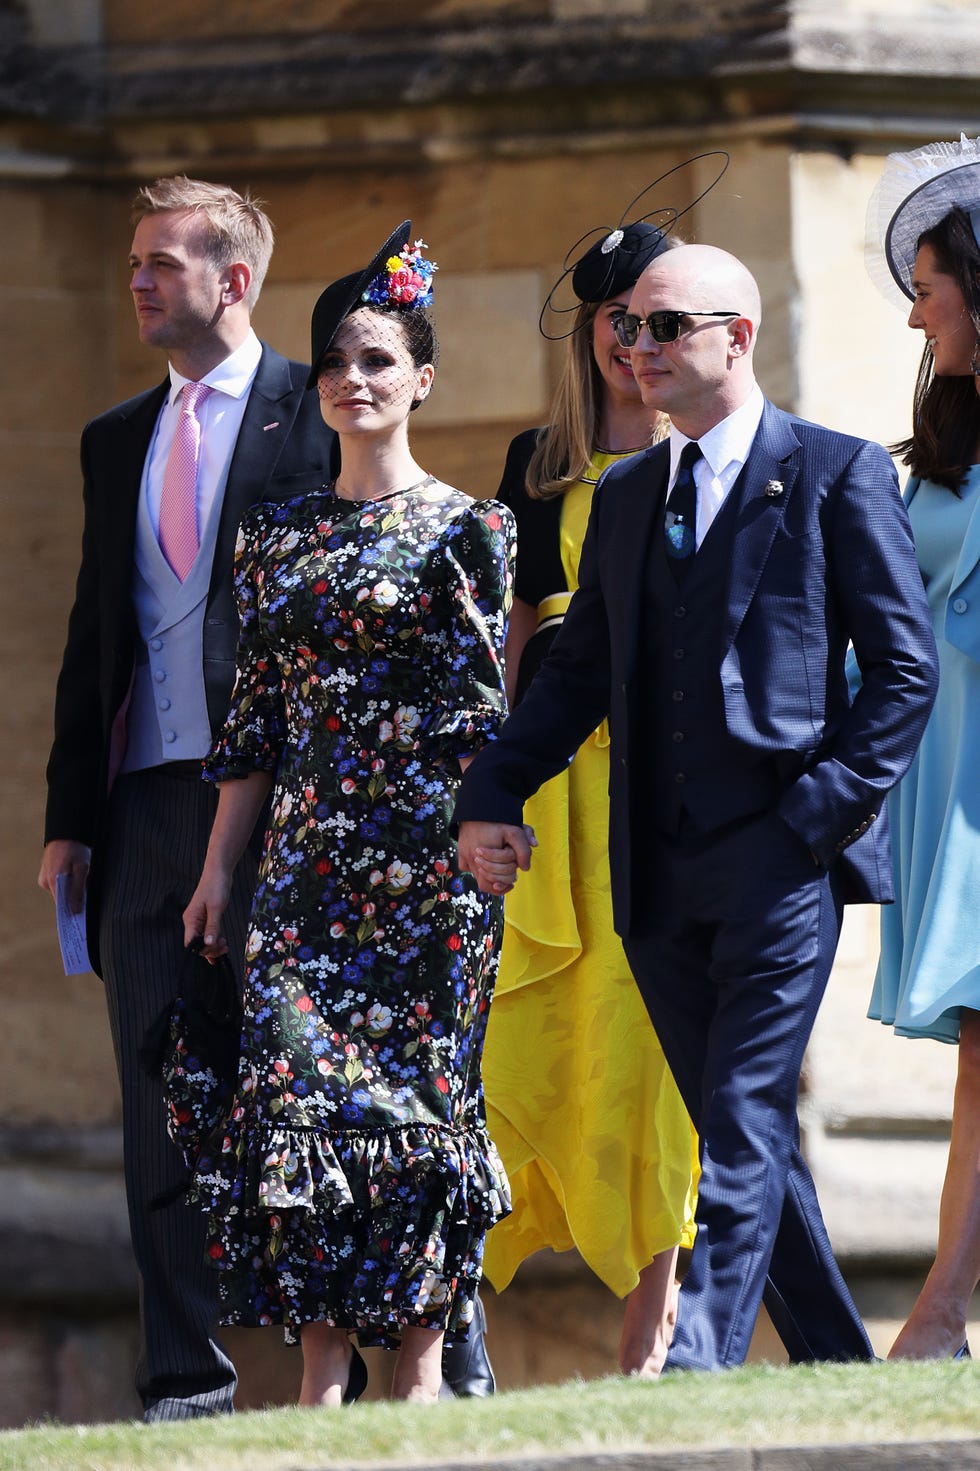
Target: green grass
[761,1405]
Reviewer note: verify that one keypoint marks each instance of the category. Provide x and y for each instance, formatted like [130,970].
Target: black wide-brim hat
[340,298]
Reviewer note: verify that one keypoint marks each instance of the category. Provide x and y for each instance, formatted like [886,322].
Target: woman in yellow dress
[598,1146]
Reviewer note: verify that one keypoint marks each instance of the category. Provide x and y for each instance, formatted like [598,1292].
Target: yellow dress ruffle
[598,1146]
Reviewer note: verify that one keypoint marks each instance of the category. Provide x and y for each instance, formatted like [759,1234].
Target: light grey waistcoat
[168,717]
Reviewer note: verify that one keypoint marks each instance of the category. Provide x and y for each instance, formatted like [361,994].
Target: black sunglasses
[662,326]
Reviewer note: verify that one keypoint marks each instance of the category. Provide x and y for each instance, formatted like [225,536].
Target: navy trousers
[732,951]
[158,834]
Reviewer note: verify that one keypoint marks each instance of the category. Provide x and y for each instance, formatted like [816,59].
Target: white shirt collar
[232,376]
[728,441]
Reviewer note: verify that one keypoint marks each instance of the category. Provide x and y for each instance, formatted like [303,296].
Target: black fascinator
[615,256]
[408,287]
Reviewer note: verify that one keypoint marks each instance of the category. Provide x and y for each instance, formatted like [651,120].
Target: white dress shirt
[221,419]
[725,449]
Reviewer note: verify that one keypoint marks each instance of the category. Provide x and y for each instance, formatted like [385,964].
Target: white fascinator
[916,190]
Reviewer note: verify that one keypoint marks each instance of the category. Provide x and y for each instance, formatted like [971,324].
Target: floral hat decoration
[616,256]
[404,280]
[916,190]
[398,276]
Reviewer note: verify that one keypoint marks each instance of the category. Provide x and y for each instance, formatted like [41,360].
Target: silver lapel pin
[774,488]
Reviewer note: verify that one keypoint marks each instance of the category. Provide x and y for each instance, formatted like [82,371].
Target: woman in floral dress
[351,1188]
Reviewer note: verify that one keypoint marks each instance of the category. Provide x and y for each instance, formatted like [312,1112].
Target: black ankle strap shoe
[466,1369]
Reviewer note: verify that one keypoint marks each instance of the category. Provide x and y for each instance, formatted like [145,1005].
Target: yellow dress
[599,1148]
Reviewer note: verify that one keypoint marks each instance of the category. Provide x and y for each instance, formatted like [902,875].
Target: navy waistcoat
[694,767]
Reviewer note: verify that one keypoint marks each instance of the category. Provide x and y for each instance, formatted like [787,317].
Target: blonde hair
[237,227]
[564,448]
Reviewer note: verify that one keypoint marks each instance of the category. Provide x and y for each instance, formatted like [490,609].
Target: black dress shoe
[357,1377]
[465,1366]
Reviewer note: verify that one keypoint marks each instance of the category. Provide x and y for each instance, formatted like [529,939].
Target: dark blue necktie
[680,519]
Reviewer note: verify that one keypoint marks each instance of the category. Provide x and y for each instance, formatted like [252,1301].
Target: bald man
[724,573]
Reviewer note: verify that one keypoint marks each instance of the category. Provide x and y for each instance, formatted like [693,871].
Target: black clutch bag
[194,1048]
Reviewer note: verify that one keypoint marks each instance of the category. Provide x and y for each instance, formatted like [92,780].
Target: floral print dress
[354,1180]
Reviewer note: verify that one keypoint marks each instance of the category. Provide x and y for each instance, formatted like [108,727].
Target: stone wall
[57,305]
[504,131]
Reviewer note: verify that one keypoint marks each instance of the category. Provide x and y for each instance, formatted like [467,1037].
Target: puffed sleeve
[254,733]
[471,704]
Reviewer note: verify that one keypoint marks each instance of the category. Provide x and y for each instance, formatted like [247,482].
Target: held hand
[204,914]
[63,855]
[493,852]
[495,869]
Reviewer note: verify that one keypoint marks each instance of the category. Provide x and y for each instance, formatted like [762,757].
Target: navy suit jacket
[283,448]
[822,554]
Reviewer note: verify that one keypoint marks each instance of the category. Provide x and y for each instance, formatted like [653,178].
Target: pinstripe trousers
[159,824]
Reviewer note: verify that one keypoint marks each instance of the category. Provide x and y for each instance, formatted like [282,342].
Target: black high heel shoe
[963,1353]
[357,1377]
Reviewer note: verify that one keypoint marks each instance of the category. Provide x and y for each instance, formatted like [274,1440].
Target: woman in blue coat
[926,210]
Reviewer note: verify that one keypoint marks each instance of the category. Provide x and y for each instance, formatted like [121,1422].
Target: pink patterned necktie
[179,540]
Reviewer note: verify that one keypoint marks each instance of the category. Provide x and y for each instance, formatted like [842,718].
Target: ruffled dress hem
[286,1202]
